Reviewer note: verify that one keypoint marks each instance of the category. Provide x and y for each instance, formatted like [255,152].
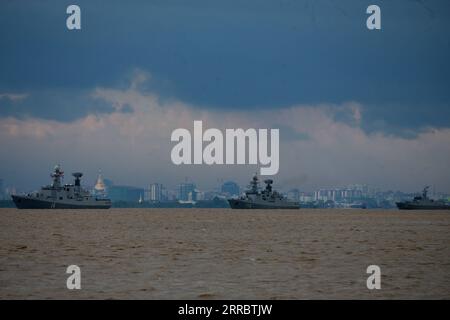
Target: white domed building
[100,187]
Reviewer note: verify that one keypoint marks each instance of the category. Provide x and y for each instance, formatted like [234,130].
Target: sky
[352,105]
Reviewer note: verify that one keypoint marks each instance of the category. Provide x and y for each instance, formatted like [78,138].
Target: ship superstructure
[423,203]
[254,198]
[59,196]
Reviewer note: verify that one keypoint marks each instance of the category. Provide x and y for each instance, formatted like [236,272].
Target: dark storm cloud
[234,54]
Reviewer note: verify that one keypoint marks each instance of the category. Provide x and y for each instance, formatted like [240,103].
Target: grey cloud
[60,105]
[134,148]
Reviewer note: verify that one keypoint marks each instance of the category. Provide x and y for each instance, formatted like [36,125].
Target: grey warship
[58,196]
[423,203]
[265,199]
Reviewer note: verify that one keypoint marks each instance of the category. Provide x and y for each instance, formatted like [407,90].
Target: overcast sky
[352,105]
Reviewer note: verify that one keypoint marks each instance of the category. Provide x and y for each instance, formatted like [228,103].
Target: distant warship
[423,203]
[265,199]
[57,196]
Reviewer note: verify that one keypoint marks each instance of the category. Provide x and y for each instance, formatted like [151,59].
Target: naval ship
[58,196]
[265,199]
[423,203]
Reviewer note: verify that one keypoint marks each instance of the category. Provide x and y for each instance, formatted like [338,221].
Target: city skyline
[187,194]
[150,189]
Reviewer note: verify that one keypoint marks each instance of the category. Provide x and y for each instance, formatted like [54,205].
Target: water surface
[224,254]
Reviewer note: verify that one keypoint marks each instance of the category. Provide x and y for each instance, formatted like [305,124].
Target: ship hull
[242,204]
[30,203]
[412,206]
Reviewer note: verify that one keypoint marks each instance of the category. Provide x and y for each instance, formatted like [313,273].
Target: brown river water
[224,253]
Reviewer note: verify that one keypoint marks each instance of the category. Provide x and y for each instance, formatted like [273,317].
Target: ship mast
[56,176]
[253,187]
[425,191]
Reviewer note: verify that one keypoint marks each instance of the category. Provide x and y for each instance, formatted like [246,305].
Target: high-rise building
[155,192]
[306,196]
[186,192]
[325,195]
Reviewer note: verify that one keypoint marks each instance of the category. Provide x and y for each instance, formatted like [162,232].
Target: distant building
[125,193]
[294,195]
[2,190]
[155,192]
[324,195]
[211,195]
[199,195]
[306,197]
[171,195]
[9,191]
[347,194]
[230,188]
[186,192]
